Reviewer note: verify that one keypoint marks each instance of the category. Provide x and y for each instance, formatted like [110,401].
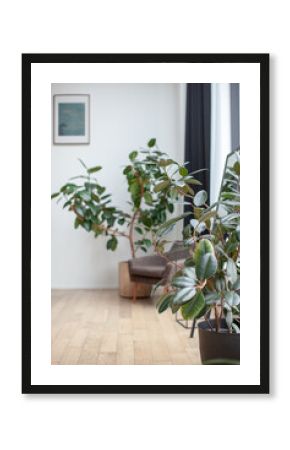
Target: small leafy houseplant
[155,183]
[209,283]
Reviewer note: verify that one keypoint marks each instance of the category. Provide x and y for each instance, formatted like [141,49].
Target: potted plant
[209,284]
[155,182]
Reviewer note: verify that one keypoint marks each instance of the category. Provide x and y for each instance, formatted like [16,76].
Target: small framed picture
[71,117]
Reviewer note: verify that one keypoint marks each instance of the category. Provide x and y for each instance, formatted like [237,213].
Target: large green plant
[210,279]
[155,182]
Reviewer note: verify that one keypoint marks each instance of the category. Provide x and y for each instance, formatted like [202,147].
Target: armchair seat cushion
[154,268]
[148,266]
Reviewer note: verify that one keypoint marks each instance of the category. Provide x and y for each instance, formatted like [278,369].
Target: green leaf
[208,215]
[148,198]
[193,181]
[94,169]
[68,188]
[183,282]
[194,223]
[232,298]
[69,202]
[166,162]
[183,171]
[127,170]
[204,246]
[133,155]
[229,319]
[197,212]
[212,298]
[193,308]
[184,295]
[85,195]
[80,211]
[56,194]
[189,262]
[100,189]
[152,143]
[146,221]
[112,243]
[206,266]
[87,225]
[164,302]
[147,242]
[139,230]
[170,207]
[200,198]
[235,328]
[161,186]
[77,222]
[171,222]
[232,273]
[134,188]
[236,167]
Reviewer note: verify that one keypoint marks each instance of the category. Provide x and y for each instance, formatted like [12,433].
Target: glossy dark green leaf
[184,295]
[212,298]
[232,298]
[229,319]
[232,273]
[200,198]
[235,327]
[54,195]
[206,266]
[194,307]
[164,302]
[183,282]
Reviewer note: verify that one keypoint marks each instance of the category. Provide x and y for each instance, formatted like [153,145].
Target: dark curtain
[197,133]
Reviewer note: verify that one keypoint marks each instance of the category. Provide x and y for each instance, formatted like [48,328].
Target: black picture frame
[27,61]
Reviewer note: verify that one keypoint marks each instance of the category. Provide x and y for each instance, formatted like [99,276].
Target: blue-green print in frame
[71,119]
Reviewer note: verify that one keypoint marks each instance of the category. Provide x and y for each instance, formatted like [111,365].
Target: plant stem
[131,232]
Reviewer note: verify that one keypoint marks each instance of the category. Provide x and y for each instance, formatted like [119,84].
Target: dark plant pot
[218,348]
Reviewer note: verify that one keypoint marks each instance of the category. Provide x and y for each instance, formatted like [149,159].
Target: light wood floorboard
[99,327]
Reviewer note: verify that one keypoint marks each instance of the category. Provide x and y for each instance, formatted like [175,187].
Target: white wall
[123,117]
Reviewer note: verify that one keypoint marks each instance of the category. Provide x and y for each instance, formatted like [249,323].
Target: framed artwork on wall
[69,124]
[71,119]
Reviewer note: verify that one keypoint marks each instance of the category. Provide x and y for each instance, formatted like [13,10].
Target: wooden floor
[99,327]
